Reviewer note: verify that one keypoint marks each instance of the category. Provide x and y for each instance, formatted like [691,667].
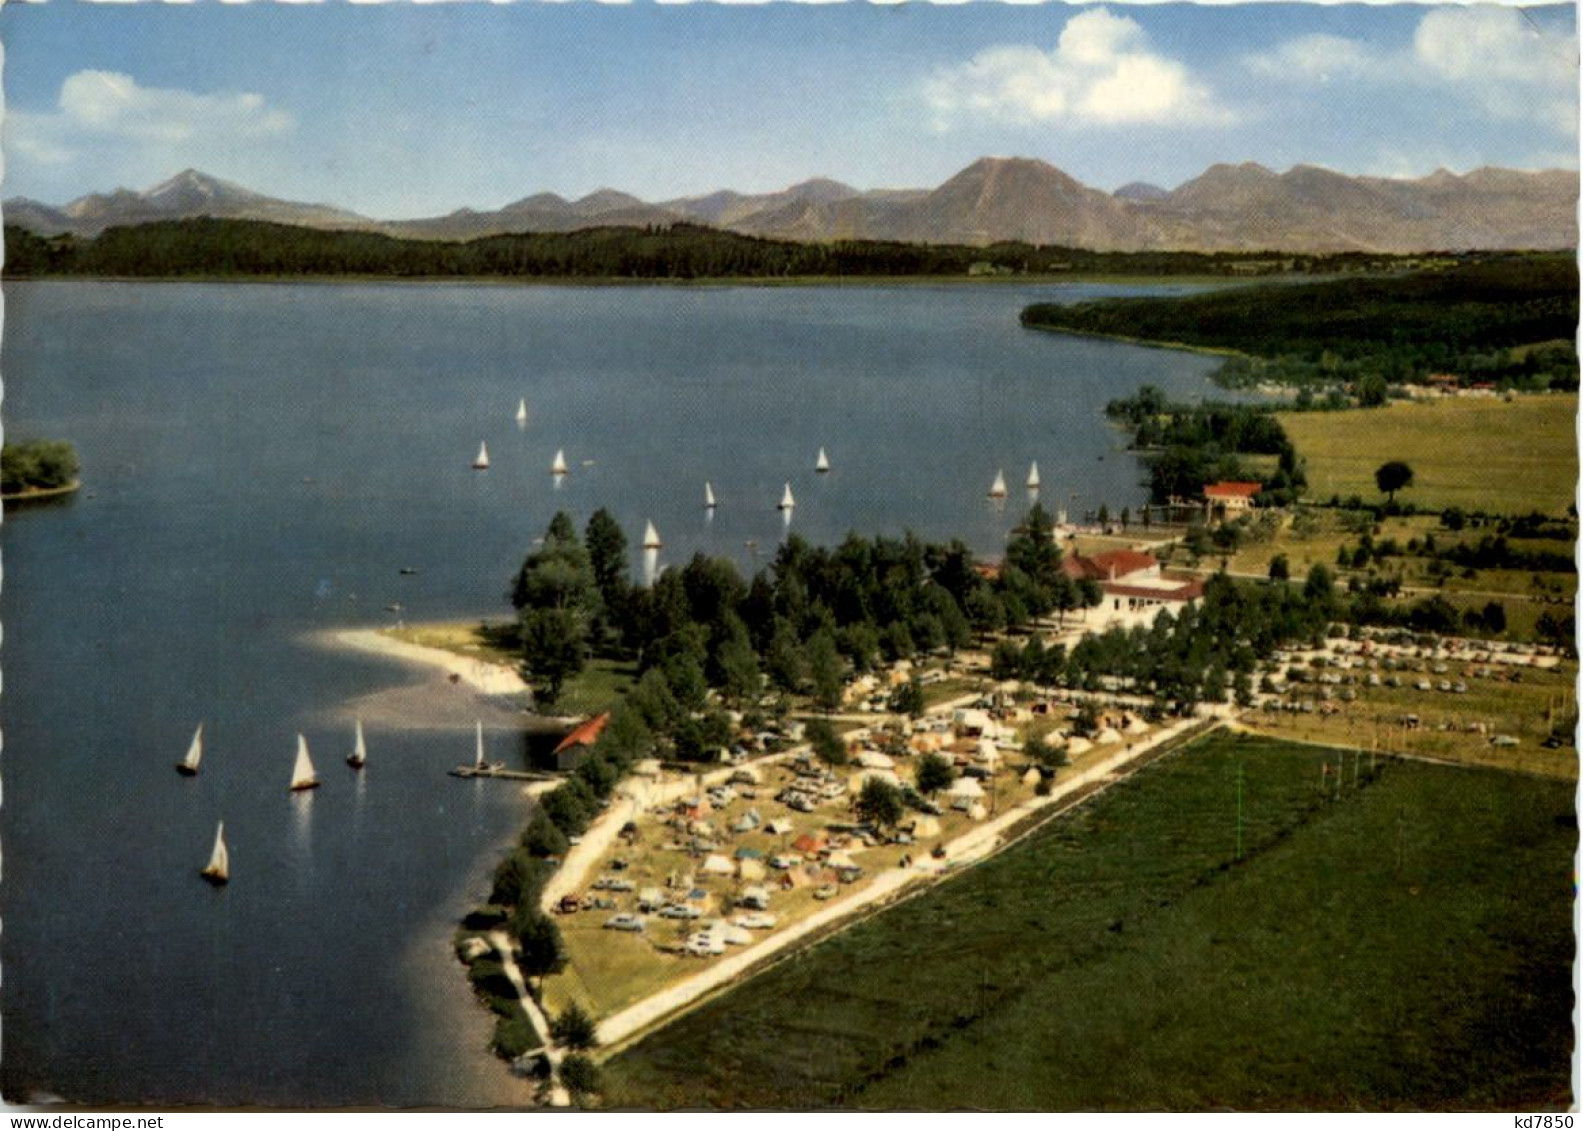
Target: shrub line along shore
[33,494]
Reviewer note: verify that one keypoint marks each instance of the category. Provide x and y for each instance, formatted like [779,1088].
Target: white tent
[840,859]
[977,812]
[1109,736]
[750,869]
[647,768]
[926,826]
[967,787]
[874,760]
[747,775]
[779,827]
[717,865]
[855,782]
[1078,745]
[1032,776]
[987,753]
[1136,725]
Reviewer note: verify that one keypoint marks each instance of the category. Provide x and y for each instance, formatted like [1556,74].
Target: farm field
[1123,957]
[1478,454]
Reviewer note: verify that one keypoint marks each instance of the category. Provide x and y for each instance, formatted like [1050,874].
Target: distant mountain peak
[1141,192]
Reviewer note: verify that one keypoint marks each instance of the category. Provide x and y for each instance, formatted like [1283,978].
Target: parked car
[623,922]
[826,892]
[679,911]
[757,921]
[610,883]
[569,904]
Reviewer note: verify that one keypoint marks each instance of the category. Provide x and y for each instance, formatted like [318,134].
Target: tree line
[207,247]
[34,465]
[1187,446]
[1476,319]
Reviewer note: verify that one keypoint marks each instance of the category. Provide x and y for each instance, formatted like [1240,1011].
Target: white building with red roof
[1230,498]
[1134,586]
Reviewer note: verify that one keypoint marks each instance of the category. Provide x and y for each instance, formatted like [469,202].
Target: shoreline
[658,281]
[486,677]
[38,494]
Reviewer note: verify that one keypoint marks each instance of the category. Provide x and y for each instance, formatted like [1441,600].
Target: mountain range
[1227,208]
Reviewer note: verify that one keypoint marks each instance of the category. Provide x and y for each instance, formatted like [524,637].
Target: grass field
[1489,455]
[1406,946]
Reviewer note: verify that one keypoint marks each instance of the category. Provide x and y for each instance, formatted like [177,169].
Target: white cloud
[104,111]
[1495,58]
[1102,71]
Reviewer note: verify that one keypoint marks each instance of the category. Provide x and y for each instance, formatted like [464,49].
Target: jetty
[465,771]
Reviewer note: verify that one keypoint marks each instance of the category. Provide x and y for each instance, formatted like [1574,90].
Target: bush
[514,1036]
[486,918]
[492,986]
[543,838]
[826,743]
[935,772]
[574,1028]
[580,1075]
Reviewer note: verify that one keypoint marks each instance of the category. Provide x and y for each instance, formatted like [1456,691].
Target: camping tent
[1078,745]
[1032,776]
[926,826]
[967,787]
[1108,736]
[717,865]
[874,760]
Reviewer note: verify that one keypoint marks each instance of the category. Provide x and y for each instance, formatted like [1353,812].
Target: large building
[1135,588]
[1229,499]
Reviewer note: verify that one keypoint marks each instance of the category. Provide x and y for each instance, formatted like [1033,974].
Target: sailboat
[481,461]
[302,775]
[1033,476]
[218,870]
[822,464]
[559,466]
[522,411]
[359,755]
[189,765]
[709,497]
[997,489]
[651,538]
[787,502]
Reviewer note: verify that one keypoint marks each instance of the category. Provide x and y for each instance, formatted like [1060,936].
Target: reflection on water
[651,566]
[302,832]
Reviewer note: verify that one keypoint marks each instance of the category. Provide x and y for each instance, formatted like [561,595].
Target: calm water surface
[263,459]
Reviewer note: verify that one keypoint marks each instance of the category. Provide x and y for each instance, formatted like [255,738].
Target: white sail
[787,502]
[359,753]
[522,411]
[822,464]
[1033,475]
[302,775]
[219,866]
[482,460]
[559,466]
[189,764]
[997,490]
[651,538]
[479,758]
[709,495]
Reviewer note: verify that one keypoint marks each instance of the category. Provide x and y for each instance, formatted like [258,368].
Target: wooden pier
[500,772]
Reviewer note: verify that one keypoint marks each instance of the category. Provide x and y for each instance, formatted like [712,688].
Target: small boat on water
[559,466]
[188,766]
[709,497]
[787,502]
[651,538]
[1033,476]
[302,775]
[522,411]
[407,571]
[479,766]
[997,489]
[218,870]
[822,464]
[481,461]
[359,755]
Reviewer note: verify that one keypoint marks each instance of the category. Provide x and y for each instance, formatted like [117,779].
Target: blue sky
[401,110]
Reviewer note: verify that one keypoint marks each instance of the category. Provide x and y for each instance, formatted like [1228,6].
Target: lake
[261,461]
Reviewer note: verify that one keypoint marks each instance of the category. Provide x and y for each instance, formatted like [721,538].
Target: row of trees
[207,246]
[1400,328]
[801,626]
[1191,445]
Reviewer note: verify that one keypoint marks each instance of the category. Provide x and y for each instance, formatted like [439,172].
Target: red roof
[585,734]
[1232,490]
[1191,591]
[1101,567]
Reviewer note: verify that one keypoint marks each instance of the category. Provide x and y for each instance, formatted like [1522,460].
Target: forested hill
[245,248]
[1494,303]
